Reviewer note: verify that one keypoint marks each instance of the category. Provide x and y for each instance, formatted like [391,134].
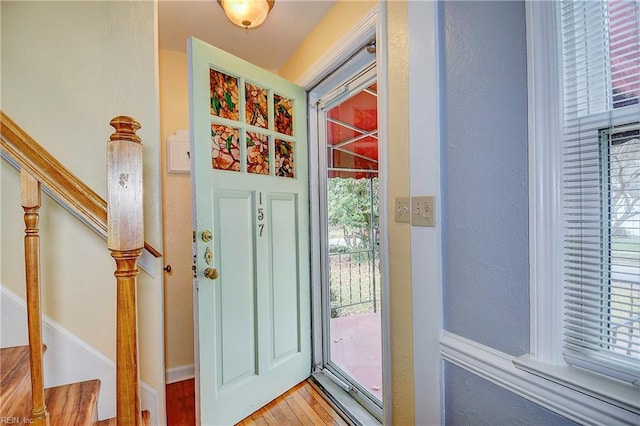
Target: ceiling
[268,46]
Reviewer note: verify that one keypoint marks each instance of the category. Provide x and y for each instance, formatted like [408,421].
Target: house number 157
[260,215]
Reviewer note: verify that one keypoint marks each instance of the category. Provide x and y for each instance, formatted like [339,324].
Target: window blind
[601,162]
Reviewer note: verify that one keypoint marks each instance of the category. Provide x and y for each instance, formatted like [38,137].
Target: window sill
[579,395]
[619,394]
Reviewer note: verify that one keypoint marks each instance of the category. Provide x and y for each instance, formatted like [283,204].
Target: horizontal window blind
[601,148]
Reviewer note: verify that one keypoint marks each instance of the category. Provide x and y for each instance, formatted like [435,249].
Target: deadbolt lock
[206,236]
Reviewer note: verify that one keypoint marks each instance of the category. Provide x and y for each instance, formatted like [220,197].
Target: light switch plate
[423,211]
[401,210]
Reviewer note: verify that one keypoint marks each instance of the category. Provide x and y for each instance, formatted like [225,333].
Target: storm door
[347,126]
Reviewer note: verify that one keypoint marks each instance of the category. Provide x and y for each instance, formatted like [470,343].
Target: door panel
[284,261]
[250,183]
[236,289]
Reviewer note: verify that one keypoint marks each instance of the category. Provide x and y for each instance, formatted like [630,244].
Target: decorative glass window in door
[244,111]
[224,95]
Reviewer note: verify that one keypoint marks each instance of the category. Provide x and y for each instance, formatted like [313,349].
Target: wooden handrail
[64,186]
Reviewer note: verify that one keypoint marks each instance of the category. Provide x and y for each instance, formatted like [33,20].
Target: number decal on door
[260,215]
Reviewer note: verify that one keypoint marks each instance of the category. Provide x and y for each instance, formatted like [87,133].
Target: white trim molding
[364,30]
[426,247]
[382,65]
[181,373]
[499,368]
[546,224]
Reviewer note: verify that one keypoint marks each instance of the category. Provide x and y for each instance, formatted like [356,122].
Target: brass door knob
[211,273]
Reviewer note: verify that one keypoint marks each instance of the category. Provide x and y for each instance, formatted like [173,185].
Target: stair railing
[30,196]
[120,220]
[125,240]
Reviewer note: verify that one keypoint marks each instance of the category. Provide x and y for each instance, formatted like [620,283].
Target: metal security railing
[354,282]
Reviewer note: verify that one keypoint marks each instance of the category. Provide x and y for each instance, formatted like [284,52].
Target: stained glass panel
[257,153]
[256,111]
[284,158]
[283,115]
[225,148]
[223,94]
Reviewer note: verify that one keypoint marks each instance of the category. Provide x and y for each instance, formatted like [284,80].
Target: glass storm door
[250,184]
[348,135]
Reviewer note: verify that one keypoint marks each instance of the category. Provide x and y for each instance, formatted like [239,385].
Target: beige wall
[67,69]
[337,22]
[340,19]
[399,233]
[174,115]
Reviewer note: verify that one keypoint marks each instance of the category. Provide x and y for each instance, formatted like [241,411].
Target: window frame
[546,225]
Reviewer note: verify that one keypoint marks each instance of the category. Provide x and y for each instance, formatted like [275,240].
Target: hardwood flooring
[181,403]
[300,405]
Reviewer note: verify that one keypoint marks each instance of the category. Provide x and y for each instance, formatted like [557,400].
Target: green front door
[250,198]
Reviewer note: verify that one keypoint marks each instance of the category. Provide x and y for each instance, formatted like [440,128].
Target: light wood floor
[301,405]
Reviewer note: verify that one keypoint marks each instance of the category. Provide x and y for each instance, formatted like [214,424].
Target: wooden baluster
[30,195]
[125,240]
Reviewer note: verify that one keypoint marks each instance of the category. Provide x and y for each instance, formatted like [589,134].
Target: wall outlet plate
[423,211]
[401,210]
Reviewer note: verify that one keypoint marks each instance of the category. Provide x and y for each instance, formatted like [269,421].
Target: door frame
[372,24]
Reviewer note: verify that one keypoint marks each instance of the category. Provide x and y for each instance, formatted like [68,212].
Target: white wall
[67,69]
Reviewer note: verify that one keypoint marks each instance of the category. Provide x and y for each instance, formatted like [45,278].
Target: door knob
[206,236]
[211,273]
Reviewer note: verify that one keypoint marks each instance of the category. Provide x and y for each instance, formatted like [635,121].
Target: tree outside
[624,208]
[624,172]
[354,262]
[353,207]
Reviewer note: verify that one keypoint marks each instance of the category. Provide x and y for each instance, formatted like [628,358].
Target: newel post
[125,241]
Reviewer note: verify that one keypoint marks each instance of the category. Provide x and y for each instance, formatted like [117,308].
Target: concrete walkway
[356,347]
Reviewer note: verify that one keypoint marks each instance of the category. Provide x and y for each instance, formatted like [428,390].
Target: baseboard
[178,374]
[68,359]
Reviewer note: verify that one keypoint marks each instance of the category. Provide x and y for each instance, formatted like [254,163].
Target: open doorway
[353,266]
[349,350]
[179,338]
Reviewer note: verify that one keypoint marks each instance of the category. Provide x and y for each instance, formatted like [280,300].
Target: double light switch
[417,210]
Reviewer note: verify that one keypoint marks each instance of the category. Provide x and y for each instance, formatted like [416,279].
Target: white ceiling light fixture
[246,13]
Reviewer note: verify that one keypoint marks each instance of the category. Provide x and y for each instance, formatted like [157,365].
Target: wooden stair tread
[146,420]
[71,404]
[14,370]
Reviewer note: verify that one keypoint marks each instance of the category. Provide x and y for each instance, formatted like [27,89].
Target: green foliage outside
[353,269]
[349,208]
